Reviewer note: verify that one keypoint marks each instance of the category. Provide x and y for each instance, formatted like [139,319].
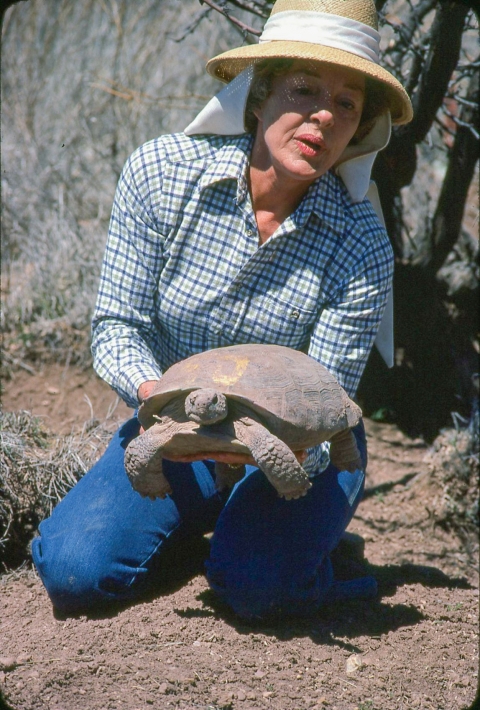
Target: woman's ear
[258,112]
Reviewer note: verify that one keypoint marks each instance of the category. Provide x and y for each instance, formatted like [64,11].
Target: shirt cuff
[132,377]
[318,459]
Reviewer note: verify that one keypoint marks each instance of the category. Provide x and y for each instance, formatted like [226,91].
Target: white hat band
[325,29]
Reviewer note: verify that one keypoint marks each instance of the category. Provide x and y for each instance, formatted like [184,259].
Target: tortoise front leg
[274,458]
[143,461]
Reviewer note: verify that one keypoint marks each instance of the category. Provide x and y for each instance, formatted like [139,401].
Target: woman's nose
[324,117]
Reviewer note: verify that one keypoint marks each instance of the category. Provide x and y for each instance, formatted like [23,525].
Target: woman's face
[308,120]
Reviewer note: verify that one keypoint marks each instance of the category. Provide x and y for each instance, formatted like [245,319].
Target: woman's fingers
[229,458]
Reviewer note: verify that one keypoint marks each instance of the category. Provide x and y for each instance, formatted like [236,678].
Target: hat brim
[228,65]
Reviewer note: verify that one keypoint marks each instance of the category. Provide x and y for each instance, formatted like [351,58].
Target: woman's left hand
[231,459]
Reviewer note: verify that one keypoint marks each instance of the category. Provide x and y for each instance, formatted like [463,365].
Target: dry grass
[454,465]
[83,84]
[37,469]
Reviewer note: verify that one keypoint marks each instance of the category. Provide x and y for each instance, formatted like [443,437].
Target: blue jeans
[103,542]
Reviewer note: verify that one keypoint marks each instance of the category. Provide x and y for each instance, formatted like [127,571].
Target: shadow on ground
[3,703]
[350,620]
[330,626]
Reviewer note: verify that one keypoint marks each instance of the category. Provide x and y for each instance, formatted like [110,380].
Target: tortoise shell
[296,397]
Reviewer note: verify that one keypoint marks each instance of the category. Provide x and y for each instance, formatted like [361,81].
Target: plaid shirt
[183,271]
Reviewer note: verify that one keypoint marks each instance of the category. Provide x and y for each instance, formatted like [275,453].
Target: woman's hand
[145,389]
[231,459]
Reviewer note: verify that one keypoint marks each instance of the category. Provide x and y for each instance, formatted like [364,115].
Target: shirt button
[295,314]
[249,232]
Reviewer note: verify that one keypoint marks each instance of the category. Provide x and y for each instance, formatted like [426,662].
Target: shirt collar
[325,196]
[231,163]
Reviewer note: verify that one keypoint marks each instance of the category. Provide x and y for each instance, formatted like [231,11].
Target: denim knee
[260,591]
[82,576]
[270,556]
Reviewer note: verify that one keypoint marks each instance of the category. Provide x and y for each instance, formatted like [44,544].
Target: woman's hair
[376,100]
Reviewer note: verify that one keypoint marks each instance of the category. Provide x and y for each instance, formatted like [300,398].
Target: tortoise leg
[226,476]
[143,461]
[274,458]
[344,453]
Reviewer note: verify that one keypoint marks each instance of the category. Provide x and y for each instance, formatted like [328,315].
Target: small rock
[241,695]
[354,662]
[225,702]
[8,663]
[162,688]
[251,695]
[23,658]
[267,694]
[259,674]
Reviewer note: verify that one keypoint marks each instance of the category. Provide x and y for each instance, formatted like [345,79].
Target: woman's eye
[349,105]
[304,91]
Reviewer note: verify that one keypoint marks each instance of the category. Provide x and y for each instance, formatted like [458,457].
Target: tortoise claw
[294,496]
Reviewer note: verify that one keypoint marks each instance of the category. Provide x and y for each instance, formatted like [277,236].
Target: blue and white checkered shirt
[183,270]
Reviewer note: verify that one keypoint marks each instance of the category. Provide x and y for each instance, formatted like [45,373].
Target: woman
[249,227]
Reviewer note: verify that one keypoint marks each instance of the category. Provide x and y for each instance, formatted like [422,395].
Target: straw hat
[341,32]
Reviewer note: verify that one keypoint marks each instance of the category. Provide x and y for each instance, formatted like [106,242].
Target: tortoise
[266,401]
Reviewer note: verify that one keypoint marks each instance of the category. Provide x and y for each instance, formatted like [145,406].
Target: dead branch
[241,25]
[447,220]
[193,25]
[255,8]
[440,63]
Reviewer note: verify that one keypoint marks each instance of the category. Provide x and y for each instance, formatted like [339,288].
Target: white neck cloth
[224,115]
[325,29]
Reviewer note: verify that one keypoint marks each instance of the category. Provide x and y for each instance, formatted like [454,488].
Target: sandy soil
[413,647]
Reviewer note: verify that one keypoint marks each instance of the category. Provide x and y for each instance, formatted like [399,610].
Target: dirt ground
[413,647]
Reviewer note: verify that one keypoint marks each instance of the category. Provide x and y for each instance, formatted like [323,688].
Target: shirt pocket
[282,322]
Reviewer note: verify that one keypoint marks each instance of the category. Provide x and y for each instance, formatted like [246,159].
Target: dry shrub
[453,461]
[37,469]
[83,84]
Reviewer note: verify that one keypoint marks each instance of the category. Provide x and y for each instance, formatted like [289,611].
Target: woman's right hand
[145,389]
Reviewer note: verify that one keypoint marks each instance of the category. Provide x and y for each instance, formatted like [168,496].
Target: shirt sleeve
[347,326]
[124,332]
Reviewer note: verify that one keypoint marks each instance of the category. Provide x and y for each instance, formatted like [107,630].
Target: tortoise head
[206,406]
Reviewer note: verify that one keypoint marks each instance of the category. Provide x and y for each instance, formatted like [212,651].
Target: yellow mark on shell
[229,370]
[189,376]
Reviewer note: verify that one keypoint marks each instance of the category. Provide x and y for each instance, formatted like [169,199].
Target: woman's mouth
[310,144]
